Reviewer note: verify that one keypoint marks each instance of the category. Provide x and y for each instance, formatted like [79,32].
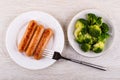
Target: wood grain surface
[63,11]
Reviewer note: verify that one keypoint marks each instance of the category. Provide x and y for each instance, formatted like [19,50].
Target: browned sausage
[43,42]
[34,41]
[27,36]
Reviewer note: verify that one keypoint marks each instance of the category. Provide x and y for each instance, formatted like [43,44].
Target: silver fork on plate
[56,56]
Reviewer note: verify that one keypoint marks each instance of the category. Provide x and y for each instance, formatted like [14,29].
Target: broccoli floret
[95,40]
[85,47]
[104,28]
[85,25]
[84,38]
[88,38]
[92,18]
[98,47]
[80,38]
[80,27]
[79,24]
[99,21]
[76,32]
[85,22]
[94,30]
[103,37]
[84,30]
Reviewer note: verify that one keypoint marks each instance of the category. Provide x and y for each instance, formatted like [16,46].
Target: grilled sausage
[34,41]
[27,36]
[43,42]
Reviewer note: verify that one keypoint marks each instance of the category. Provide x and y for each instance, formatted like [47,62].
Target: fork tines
[48,53]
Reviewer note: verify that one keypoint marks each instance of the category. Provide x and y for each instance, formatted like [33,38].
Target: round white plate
[71,37]
[16,30]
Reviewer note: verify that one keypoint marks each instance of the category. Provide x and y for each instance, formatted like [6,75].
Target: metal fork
[56,56]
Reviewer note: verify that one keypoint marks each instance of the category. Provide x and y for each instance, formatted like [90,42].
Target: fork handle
[86,63]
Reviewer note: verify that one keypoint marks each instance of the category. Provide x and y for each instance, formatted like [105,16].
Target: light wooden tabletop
[63,11]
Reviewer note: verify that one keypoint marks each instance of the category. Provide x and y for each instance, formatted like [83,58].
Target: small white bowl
[71,37]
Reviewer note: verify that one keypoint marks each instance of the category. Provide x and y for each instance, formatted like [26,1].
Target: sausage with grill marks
[34,41]
[27,36]
[43,42]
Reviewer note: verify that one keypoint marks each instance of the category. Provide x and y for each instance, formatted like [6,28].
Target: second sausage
[34,41]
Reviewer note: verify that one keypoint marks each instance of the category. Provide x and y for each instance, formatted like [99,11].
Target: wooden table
[63,10]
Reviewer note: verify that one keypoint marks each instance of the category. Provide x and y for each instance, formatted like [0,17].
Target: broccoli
[98,47]
[92,18]
[103,37]
[81,27]
[104,28]
[77,32]
[91,34]
[78,24]
[85,22]
[81,22]
[99,21]
[85,47]
[94,30]
[84,30]
[88,38]
[84,38]
[85,25]
[94,40]
[80,38]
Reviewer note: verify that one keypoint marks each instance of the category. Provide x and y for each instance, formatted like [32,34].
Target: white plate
[71,37]
[16,30]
